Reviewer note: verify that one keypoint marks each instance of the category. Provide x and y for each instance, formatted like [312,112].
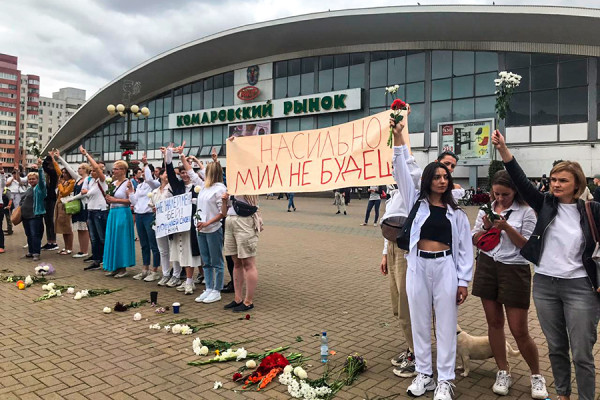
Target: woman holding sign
[183,247]
[437,236]
[119,248]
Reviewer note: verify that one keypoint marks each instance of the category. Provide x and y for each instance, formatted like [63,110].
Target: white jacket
[462,249]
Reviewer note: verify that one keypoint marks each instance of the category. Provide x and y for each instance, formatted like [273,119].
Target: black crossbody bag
[243,209]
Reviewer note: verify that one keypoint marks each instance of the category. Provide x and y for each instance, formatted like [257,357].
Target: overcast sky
[88,43]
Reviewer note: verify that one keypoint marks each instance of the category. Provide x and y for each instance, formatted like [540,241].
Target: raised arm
[404,176]
[175,183]
[532,196]
[148,178]
[95,166]
[66,165]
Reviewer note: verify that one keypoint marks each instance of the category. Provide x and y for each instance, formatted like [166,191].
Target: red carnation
[237,376]
[247,316]
[398,104]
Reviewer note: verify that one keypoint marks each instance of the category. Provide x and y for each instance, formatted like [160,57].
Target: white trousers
[433,282]
[163,249]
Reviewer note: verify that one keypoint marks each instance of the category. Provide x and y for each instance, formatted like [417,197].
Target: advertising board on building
[469,140]
[250,129]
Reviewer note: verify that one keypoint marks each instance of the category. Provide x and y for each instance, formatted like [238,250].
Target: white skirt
[180,250]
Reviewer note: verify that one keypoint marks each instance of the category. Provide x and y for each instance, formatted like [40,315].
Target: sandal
[65,252]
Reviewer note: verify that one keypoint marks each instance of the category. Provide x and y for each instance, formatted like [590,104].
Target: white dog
[475,348]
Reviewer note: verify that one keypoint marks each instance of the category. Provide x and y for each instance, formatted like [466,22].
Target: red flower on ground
[275,360]
[247,316]
[398,104]
[237,376]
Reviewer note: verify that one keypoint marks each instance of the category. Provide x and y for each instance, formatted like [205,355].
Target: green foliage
[494,167]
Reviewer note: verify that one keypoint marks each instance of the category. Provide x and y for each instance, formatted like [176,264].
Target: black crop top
[437,227]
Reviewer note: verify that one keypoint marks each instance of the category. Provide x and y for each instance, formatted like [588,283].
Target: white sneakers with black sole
[421,384]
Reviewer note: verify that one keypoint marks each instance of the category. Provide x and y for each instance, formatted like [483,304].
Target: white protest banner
[174,215]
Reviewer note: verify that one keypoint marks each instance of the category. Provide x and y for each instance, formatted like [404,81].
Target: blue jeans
[34,230]
[147,236]
[291,201]
[97,227]
[211,250]
[568,311]
[372,203]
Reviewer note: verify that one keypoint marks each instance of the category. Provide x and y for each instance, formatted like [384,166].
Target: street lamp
[130,111]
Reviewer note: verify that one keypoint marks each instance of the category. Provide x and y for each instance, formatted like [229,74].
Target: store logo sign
[248,93]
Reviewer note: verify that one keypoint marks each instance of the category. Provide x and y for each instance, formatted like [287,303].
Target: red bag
[489,240]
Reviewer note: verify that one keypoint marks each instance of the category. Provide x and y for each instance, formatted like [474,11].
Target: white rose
[106,310]
[108,180]
[137,316]
[203,351]
[58,293]
[176,329]
[186,330]
[197,189]
[28,280]
[51,285]
[46,268]
[251,364]
[45,287]
[149,195]
[70,290]
[287,370]
[300,373]
[217,385]
[78,296]
[85,293]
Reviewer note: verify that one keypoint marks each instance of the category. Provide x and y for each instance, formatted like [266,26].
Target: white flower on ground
[137,316]
[217,385]
[47,268]
[196,346]
[251,364]
[203,351]
[186,330]
[300,373]
[167,328]
[51,285]
[28,280]
[176,329]
[241,353]
[78,296]
[70,290]
[155,326]
[51,292]
[288,369]
[58,293]
[106,310]
[45,287]
[85,293]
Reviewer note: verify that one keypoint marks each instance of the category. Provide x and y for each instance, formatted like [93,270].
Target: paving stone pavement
[317,271]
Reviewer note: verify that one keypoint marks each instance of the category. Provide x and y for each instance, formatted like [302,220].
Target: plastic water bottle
[324,347]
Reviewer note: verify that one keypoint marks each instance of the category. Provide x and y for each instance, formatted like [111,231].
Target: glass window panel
[543,77]
[378,73]
[573,73]
[415,67]
[441,89]
[340,78]
[228,96]
[307,123]
[142,143]
[396,70]
[278,126]
[196,101]
[377,97]
[196,137]
[417,118]
[187,102]
[484,84]
[218,97]
[573,105]
[178,92]
[485,107]
[152,107]
[280,69]
[517,60]
[218,81]
[208,98]
[187,137]
[308,65]
[486,61]
[307,83]
[441,64]
[341,60]
[524,85]
[293,85]
[177,135]
[544,107]
[379,55]
[158,112]
[152,143]
[415,92]
[463,63]
[166,105]
[518,115]
[538,58]
[441,111]
[158,123]
[293,124]
[325,62]
[324,121]
[228,79]
[463,109]
[357,58]
[325,80]
[165,122]
[280,88]
[294,67]
[187,89]
[340,118]
[462,87]
[177,104]
[357,76]
[119,128]
[197,87]
[207,136]
[208,83]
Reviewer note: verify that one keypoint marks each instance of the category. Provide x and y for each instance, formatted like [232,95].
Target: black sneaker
[52,246]
[233,304]
[92,266]
[228,288]
[242,307]
[89,259]
[46,246]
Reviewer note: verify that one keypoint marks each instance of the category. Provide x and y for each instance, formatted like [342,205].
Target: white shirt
[523,219]
[209,205]
[139,199]
[563,245]
[95,198]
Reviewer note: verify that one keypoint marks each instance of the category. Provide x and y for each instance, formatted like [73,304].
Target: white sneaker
[189,288]
[503,383]
[163,281]
[151,277]
[538,387]
[110,273]
[80,255]
[141,275]
[183,287]
[174,281]
[122,274]
[443,391]
[215,295]
[200,299]
[421,384]
[375,224]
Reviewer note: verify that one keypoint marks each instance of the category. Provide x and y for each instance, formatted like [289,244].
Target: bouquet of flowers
[505,86]
[34,148]
[492,216]
[44,269]
[127,153]
[397,106]
[110,191]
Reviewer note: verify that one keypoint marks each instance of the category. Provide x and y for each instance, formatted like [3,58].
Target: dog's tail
[511,352]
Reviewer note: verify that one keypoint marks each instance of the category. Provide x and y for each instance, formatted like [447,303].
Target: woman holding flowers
[565,284]
[32,211]
[119,249]
[440,264]
[62,220]
[503,281]
[210,236]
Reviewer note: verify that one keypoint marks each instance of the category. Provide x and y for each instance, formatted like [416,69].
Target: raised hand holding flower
[397,107]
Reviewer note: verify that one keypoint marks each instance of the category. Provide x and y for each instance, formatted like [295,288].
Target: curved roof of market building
[566,30]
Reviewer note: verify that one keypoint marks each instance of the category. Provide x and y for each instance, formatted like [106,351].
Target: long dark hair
[427,180]
[503,178]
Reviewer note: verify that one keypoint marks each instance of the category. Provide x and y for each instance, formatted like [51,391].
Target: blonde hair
[574,169]
[121,164]
[33,174]
[214,174]
[87,167]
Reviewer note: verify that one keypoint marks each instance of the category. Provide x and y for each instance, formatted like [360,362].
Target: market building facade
[324,69]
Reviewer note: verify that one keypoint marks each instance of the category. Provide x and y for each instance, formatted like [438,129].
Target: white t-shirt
[563,245]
